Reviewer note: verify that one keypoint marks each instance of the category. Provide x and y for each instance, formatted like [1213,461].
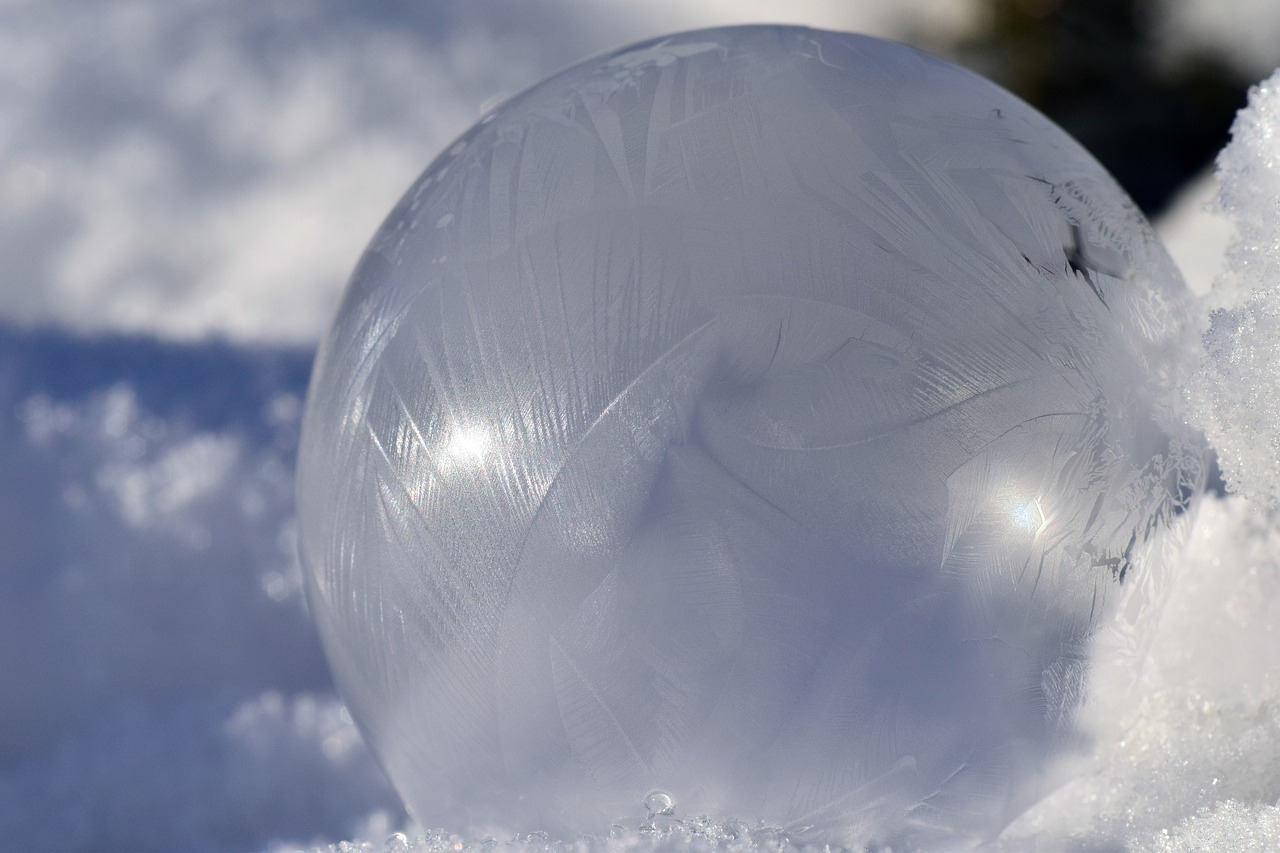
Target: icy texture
[1236,396]
[1229,826]
[764,417]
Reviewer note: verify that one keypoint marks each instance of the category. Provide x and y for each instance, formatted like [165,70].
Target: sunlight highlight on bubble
[1027,514]
[468,446]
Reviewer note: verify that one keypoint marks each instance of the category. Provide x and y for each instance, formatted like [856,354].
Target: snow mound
[1235,397]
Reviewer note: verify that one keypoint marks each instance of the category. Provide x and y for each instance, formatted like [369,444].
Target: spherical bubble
[753,423]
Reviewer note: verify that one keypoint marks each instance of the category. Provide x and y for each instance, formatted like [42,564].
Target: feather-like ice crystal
[756,422]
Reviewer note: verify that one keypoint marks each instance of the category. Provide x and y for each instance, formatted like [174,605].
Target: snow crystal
[1227,826]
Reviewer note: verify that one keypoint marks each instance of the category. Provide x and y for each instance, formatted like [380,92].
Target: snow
[170,694]
[164,688]
[1229,825]
[1233,399]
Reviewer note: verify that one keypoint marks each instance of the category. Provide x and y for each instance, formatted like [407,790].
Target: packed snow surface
[757,422]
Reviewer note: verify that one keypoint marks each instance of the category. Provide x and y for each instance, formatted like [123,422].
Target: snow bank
[1236,398]
[164,688]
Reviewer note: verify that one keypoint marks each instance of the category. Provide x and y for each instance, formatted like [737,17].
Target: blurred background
[184,188]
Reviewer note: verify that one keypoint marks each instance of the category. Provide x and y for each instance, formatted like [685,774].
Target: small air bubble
[659,803]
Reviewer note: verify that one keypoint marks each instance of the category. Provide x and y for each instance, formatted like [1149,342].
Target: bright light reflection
[468,446]
[1027,514]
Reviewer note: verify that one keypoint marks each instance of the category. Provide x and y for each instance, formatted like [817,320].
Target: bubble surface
[763,417]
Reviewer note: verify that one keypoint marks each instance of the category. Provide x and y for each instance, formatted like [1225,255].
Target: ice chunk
[761,418]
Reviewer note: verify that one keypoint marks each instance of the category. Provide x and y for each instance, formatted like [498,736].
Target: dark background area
[1093,67]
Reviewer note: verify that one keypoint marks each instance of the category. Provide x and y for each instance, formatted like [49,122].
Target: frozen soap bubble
[753,423]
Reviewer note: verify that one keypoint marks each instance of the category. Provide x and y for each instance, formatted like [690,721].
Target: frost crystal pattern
[760,419]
